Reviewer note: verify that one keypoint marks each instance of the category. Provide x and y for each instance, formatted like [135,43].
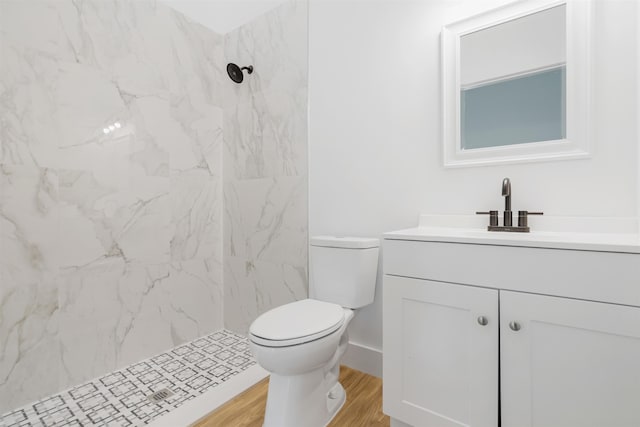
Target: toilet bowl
[301,343]
[303,387]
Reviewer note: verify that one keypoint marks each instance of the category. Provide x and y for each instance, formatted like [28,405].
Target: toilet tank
[343,270]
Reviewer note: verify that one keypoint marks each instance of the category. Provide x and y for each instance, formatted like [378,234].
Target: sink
[592,234]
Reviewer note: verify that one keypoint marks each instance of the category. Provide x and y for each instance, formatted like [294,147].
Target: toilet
[301,343]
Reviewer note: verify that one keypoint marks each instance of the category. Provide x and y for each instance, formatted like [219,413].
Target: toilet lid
[297,322]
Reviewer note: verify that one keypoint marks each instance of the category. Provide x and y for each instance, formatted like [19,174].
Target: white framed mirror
[516,84]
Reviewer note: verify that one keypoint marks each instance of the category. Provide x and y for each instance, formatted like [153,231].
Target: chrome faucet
[507,221]
[506,192]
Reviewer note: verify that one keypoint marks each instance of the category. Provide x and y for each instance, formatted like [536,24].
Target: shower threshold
[173,389]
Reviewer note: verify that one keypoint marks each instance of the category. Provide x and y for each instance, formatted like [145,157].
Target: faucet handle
[523,215]
[493,217]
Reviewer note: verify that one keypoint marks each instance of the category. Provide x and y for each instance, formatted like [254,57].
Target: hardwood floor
[363,407]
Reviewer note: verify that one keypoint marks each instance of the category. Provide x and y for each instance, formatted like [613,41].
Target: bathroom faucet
[506,192]
[507,221]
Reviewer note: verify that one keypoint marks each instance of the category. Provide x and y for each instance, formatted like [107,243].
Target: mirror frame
[577,143]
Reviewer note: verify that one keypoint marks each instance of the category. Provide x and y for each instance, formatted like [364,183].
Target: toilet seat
[296,323]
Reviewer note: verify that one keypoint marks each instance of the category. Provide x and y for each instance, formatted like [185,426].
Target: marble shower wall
[110,244]
[265,166]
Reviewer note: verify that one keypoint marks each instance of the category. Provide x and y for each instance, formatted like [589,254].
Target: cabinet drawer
[598,276]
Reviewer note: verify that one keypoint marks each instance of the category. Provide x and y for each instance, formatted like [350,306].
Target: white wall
[375,134]
[368,115]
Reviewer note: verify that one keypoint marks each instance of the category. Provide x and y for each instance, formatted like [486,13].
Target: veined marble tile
[113,313]
[90,311]
[160,123]
[128,216]
[195,203]
[266,136]
[195,298]
[29,346]
[253,287]
[211,135]
[88,217]
[28,295]
[51,104]
[276,44]
[111,246]
[265,166]
[266,220]
[78,118]
[199,52]
[28,132]
[88,51]
[29,215]
[51,37]
[28,315]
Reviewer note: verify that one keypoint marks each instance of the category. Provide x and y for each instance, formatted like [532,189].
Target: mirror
[515,83]
[512,78]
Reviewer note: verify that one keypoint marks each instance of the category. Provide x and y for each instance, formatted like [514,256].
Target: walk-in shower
[137,183]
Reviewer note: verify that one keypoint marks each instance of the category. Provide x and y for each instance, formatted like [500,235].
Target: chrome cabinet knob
[483,320]
[515,326]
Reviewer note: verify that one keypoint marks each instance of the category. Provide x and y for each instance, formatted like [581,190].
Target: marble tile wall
[110,244]
[265,166]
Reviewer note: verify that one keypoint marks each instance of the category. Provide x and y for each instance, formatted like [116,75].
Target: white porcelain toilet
[301,343]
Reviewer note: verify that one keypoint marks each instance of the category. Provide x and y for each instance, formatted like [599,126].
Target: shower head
[235,72]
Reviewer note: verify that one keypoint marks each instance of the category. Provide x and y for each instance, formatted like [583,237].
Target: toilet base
[302,400]
[307,399]
[335,401]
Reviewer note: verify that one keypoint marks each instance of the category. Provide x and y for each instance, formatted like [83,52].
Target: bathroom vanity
[539,329]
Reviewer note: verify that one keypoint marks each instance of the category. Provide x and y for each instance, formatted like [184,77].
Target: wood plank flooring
[363,407]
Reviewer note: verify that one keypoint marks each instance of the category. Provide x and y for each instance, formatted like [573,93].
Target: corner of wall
[266,167]
[363,358]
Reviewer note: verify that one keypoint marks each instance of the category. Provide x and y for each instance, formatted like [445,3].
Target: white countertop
[471,232]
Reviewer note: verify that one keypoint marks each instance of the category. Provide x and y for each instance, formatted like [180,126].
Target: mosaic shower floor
[121,398]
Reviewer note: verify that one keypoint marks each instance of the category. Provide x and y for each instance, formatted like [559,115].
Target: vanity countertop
[471,232]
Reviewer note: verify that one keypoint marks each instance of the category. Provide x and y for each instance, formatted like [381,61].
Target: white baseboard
[398,423]
[363,358]
[195,409]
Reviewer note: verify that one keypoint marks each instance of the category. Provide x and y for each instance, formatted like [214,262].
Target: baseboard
[198,408]
[398,423]
[363,358]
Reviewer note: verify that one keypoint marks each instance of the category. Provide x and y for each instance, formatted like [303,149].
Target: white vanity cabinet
[571,363]
[533,337]
[440,353]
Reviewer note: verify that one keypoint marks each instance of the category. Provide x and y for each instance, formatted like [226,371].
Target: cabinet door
[572,363]
[440,363]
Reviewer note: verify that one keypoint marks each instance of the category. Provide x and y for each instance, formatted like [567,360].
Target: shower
[145,147]
[235,72]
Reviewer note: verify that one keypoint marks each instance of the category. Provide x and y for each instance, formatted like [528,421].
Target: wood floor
[363,407]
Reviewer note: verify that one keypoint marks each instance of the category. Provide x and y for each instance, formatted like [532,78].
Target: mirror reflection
[513,82]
